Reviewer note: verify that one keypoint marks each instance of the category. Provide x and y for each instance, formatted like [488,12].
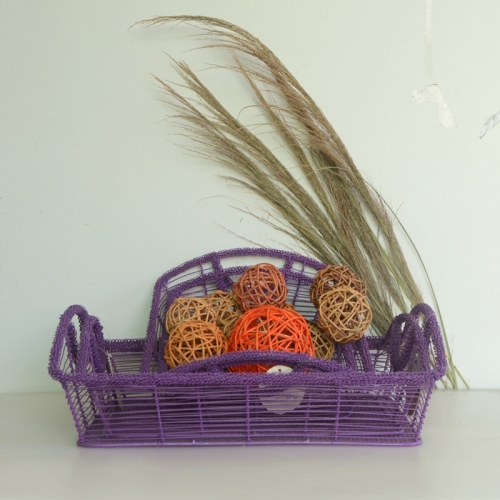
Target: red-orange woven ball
[194,340]
[270,328]
[344,314]
[262,284]
[331,277]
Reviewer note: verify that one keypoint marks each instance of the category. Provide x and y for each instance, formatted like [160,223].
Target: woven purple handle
[66,334]
[411,335]
[298,362]
[90,349]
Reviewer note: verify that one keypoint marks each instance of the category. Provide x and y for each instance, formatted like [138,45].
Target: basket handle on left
[66,336]
[92,349]
[77,353]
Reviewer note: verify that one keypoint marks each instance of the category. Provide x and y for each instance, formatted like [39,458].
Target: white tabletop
[459,458]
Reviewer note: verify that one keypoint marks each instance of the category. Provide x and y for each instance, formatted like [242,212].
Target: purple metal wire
[121,393]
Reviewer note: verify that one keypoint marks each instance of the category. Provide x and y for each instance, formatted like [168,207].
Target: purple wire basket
[121,393]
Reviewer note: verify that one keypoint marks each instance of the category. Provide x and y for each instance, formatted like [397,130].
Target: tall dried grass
[329,209]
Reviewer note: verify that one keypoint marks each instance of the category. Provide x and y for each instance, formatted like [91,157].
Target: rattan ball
[186,308]
[262,284]
[344,314]
[226,308]
[270,328]
[289,306]
[194,340]
[324,345]
[331,277]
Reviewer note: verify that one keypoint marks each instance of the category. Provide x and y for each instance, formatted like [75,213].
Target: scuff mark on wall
[432,93]
[492,121]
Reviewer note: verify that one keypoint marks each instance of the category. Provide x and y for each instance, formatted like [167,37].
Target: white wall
[96,203]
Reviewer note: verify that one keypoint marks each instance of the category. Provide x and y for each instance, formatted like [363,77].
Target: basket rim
[90,325]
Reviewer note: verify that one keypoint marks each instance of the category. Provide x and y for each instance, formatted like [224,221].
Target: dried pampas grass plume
[339,218]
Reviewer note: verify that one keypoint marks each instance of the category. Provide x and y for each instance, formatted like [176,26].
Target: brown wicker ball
[262,284]
[324,345]
[331,277]
[344,313]
[193,340]
[226,308]
[186,308]
[289,306]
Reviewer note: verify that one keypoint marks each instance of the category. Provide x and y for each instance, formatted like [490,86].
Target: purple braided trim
[124,345]
[66,332]
[356,355]
[410,335]
[345,377]
[92,349]
[97,346]
[432,336]
[299,362]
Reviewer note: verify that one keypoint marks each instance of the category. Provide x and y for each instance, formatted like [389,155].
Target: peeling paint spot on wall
[432,93]
[492,121]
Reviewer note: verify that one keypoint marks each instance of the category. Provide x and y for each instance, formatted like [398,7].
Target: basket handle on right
[415,333]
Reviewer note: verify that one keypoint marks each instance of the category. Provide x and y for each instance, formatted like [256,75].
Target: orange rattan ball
[226,308]
[344,314]
[262,284]
[193,340]
[331,277]
[324,345]
[270,328]
[186,308]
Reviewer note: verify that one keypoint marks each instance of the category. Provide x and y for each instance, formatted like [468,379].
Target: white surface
[458,459]
[96,203]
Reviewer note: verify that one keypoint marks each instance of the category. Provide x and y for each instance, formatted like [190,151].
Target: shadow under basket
[121,393]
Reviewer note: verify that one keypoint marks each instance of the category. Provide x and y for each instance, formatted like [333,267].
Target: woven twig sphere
[226,308]
[270,328]
[344,313]
[331,277]
[324,345]
[186,308]
[193,340]
[262,284]
[289,306]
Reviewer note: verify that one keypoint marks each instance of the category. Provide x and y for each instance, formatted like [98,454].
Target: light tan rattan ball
[194,340]
[324,345]
[289,306]
[259,285]
[226,308]
[186,308]
[344,314]
[331,277]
